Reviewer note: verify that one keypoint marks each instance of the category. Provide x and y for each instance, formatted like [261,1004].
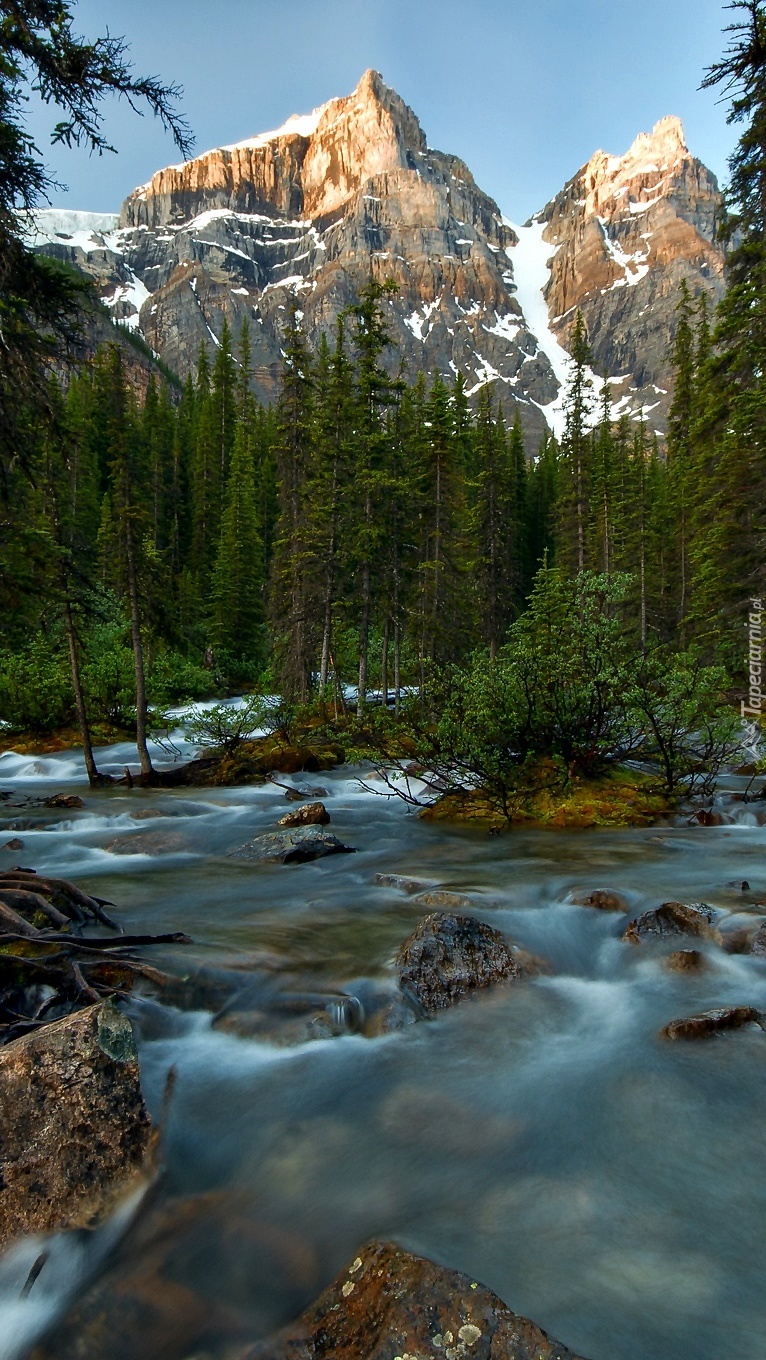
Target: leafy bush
[224,728]
[36,688]
[572,688]
[172,679]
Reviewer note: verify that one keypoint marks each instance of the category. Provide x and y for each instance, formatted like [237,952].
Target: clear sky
[523,90]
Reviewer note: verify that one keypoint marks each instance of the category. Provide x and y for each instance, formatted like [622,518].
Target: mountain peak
[663,146]
[312,165]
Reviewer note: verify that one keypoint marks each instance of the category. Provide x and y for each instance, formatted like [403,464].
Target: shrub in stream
[572,694]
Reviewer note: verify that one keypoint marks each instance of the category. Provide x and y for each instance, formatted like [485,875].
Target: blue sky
[523,90]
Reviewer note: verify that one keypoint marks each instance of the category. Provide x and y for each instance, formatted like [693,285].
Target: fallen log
[69,894]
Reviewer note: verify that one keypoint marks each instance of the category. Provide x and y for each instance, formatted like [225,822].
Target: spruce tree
[576,470]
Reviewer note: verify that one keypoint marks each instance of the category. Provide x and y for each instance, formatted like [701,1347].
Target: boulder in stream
[449,957]
[710,1023]
[602,899]
[64,800]
[302,795]
[74,1130]
[401,883]
[758,947]
[390,1303]
[440,899]
[291,846]
[685,961]
[671,920]
[311,814]
[15,844]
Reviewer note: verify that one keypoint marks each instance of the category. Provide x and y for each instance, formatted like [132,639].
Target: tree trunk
[138,659]
[94,777]
[364,640]
[384,664]
[397,667]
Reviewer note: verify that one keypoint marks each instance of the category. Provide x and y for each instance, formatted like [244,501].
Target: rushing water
[544,1140]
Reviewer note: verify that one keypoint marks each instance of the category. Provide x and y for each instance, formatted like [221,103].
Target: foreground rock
[673,919]
[311,814]
[74,1130]
[710,1023]
[291,847]
[391,1304]
[448,957]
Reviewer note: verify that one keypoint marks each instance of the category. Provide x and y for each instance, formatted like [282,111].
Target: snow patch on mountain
[531,272]
[68,227]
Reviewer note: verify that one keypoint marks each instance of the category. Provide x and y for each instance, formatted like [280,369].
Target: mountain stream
[604,1182]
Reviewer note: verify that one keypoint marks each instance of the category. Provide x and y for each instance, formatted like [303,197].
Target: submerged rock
[74,1130]
[603,899]
[685,961]
[311,814]
[291,847]
[389,1304]
[439,899]
[672,919]
[710,1023]
[301,795]
[64,800]
[401,883]
[15,844]
[448,957]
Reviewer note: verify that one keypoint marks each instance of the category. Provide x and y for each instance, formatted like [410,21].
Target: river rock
[148,843]
[439,899]
[603,899]
[672,919]
[64,800]
[389,1304]
[685,961]
[758,947]
[301,795]
[291,847]
[74,1130]
[311,814]
[400,883]
[713,1022]
[15,844]
[449,957]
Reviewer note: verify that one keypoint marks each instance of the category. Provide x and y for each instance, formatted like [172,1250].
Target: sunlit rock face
[309,212]
[624,233]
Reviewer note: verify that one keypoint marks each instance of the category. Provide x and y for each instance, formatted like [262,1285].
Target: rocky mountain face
[626,231]
[312,210]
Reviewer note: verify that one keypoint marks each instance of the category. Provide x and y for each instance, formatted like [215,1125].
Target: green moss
[619,798]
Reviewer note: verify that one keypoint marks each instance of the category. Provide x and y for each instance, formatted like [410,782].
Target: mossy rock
[619,798]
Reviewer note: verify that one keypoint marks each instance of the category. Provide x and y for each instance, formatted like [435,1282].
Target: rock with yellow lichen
[389,1304]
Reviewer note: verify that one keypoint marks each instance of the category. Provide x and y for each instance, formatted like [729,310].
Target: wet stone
[439,899]
[449,957]
[15,844]
[291,846]
[74,1131]
[148,843]
[603,899]
[64,800]
[758,947]
[710,1023]
[673,919]
[302,795]
[400,883]
[311,814]
[388,1304]
[685,961]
